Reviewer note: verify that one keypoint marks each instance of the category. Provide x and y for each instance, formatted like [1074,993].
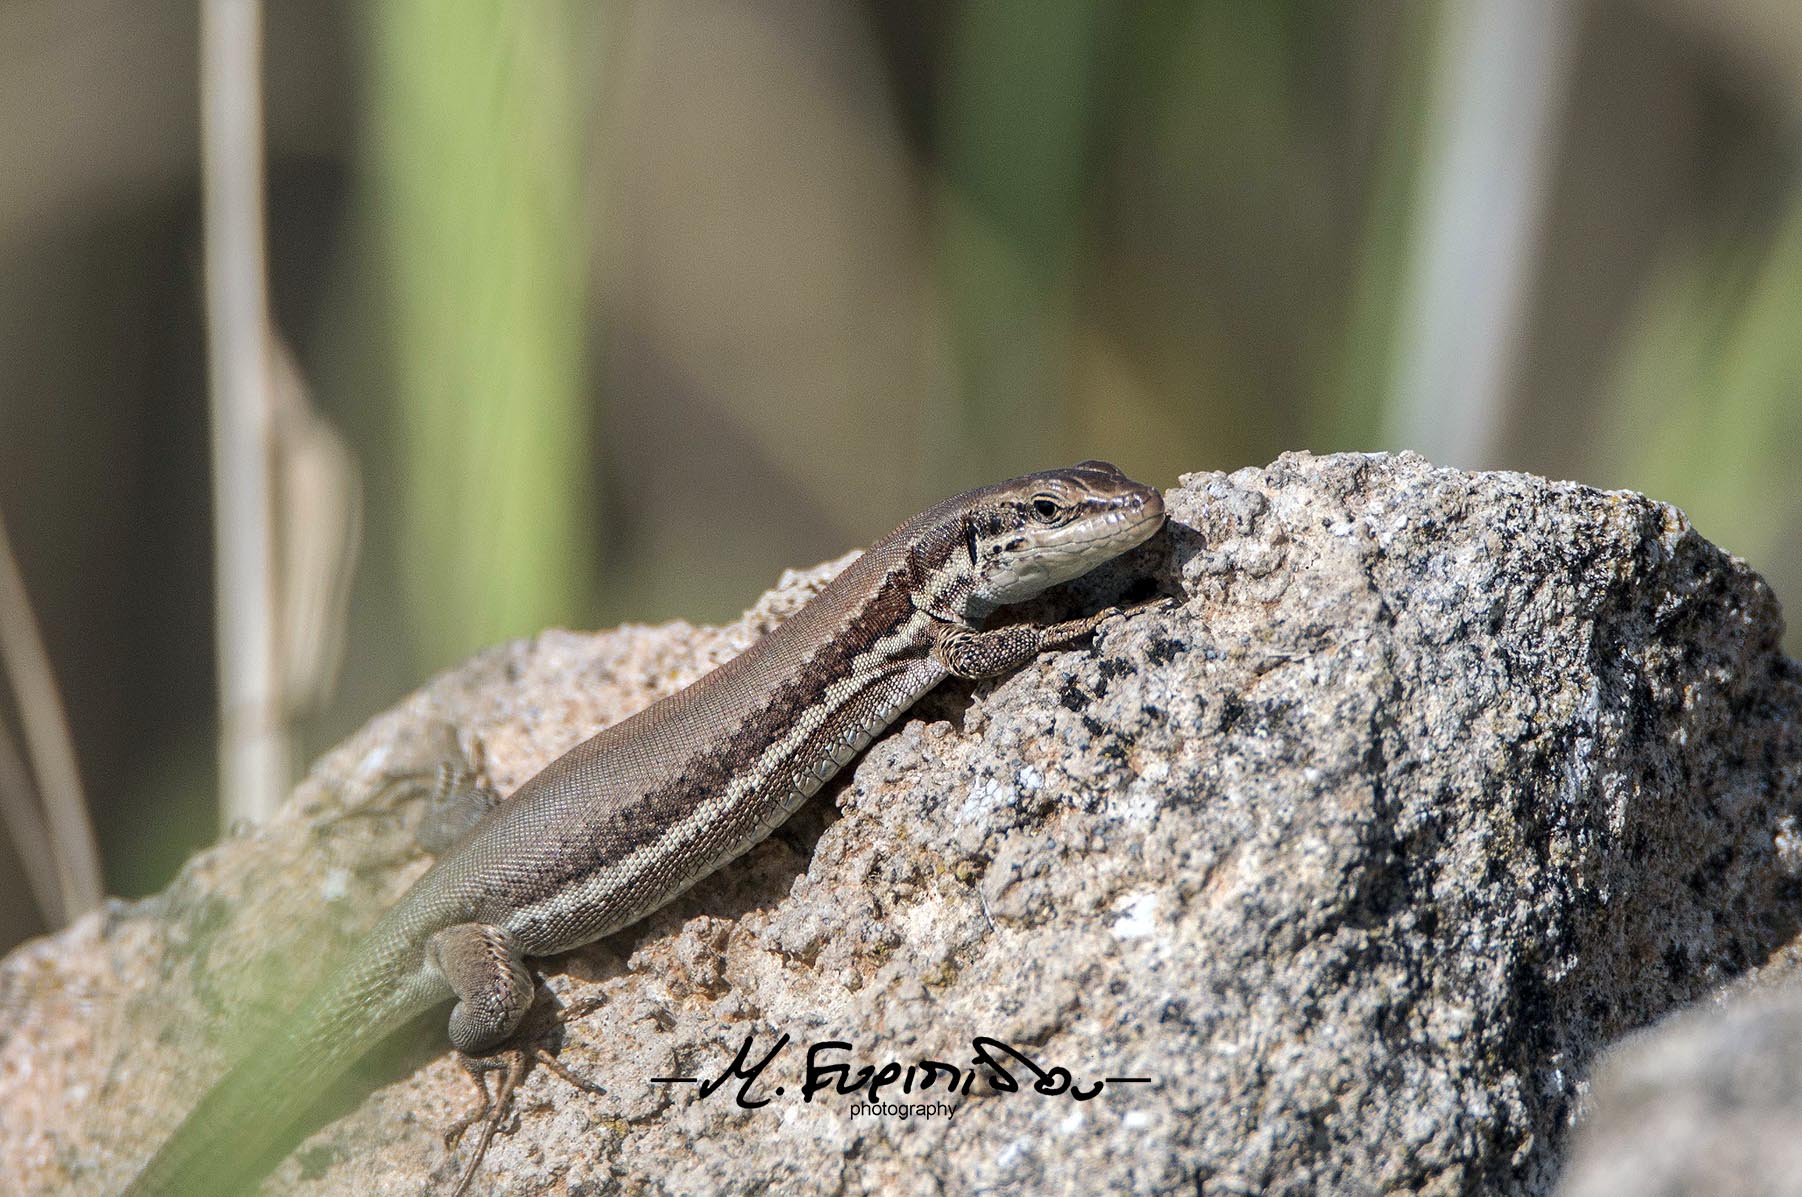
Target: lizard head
[1029,533]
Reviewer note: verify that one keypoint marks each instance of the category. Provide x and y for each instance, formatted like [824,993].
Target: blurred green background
[609,311]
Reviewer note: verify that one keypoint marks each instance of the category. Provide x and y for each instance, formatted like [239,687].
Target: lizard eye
[1045,508]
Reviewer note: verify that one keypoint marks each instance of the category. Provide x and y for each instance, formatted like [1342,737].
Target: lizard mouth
[1074,549]
[1129,521]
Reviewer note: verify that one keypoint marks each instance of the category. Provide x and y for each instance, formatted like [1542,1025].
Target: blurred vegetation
[1019,127]
[473,187]
[624,307]
[1708,402]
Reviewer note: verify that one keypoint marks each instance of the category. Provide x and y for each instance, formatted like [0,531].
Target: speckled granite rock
[1434,784]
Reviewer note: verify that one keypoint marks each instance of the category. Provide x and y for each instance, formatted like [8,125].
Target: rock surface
[1433,785]
[1707,1104]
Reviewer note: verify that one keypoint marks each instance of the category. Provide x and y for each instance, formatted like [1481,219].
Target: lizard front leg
[969,653]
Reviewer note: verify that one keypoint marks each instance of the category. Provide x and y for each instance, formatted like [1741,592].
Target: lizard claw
[1163,602]
[493,1108]
[513,1064]
[477,1070]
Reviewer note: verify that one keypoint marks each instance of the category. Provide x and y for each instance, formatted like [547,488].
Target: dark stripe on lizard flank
[735,754]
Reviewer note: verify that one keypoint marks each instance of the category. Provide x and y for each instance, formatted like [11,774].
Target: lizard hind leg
[457,803]
[487,971]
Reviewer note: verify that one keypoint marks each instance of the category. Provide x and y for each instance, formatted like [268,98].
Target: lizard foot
[438,769]
[513,1064]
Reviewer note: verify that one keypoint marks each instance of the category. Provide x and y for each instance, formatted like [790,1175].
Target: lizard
[628,819]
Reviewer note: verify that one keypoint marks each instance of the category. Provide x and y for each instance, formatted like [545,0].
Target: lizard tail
[227,1141]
